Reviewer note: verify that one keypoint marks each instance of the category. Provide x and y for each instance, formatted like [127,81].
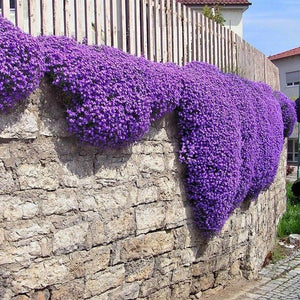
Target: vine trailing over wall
[231,129]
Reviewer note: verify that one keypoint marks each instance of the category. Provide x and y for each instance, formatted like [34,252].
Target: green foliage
[278,253]
[214,14]
[290,222]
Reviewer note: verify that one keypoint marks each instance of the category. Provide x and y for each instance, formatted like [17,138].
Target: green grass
[290,222]
[278,253]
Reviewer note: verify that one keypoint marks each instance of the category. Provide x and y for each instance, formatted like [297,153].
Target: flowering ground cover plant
[231,129]
[21,65]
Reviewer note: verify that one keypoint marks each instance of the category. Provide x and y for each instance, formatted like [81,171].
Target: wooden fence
[161,30]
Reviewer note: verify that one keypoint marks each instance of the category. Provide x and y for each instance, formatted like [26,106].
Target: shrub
[290,222]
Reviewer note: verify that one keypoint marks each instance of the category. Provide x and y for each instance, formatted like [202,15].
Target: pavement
[276,281]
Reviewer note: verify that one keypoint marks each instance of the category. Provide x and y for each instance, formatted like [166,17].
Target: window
[12,4]
[292,150]
[292,78]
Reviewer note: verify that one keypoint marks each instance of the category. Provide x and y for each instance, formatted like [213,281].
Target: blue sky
[272,26]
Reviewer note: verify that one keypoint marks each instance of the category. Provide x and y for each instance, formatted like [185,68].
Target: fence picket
[163,16]
[108,40]
[160,30]
[144,30]
[114,11]
[138,27]
[174,32]
[19,14]
[5,9]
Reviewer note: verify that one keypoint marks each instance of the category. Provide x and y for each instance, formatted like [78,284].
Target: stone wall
[78,223]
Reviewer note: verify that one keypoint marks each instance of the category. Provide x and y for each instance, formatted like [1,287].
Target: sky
[272,26]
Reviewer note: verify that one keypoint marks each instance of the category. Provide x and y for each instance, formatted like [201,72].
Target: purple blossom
[21,65]
[289,115]
[231,130]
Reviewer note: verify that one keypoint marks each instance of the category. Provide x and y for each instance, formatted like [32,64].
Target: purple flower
[231,130]
[21,65]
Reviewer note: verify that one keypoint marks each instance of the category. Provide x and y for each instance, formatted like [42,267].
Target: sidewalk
[276,281]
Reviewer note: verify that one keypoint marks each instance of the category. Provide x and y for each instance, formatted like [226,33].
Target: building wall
[78,223]
[233,16]
[290,64]
[285,65]
[234,19]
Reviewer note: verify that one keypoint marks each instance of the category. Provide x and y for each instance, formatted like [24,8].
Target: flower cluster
[231,133]
[231,129]
[21,65]
[114,96]
[288,109]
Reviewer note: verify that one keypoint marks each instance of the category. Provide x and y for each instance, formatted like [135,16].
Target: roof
[215,2]
[292,52]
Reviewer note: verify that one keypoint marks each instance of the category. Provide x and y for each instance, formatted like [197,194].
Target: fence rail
[161,30]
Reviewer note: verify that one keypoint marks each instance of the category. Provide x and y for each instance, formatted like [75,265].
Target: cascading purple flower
[21,65]
[289,114]
[231,130]
[114,95]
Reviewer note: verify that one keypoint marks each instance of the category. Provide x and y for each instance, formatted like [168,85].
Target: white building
[288,63]
[232,11]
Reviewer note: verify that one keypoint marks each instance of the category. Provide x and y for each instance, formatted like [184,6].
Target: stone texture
[80,223]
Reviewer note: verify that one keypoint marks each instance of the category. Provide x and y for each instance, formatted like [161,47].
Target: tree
[214,13]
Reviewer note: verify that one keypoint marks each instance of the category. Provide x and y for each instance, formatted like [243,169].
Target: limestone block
[180,291]
[149,286]
[96,234]
[166,263]
[152,163]
[103,281]
[2,238]
[181,274]
[71,290]
[19,126]
[41,295]
[126,291]
[150,217]
[7,183]
[38,176]
[146,245]
[162,294]
[87,202]
[28,229]
[91,261]
[204,282]
[146,195]
[29,210]
[186,256]
[222,278]
[59,202]
[139,269]
[176,213]
[119,225]
[40,275]
[20,297]
[14,209]
[71,238]
[113,198]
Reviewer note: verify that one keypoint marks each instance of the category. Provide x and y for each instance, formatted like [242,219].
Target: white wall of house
[234,19]
[285,65]
[233,16]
